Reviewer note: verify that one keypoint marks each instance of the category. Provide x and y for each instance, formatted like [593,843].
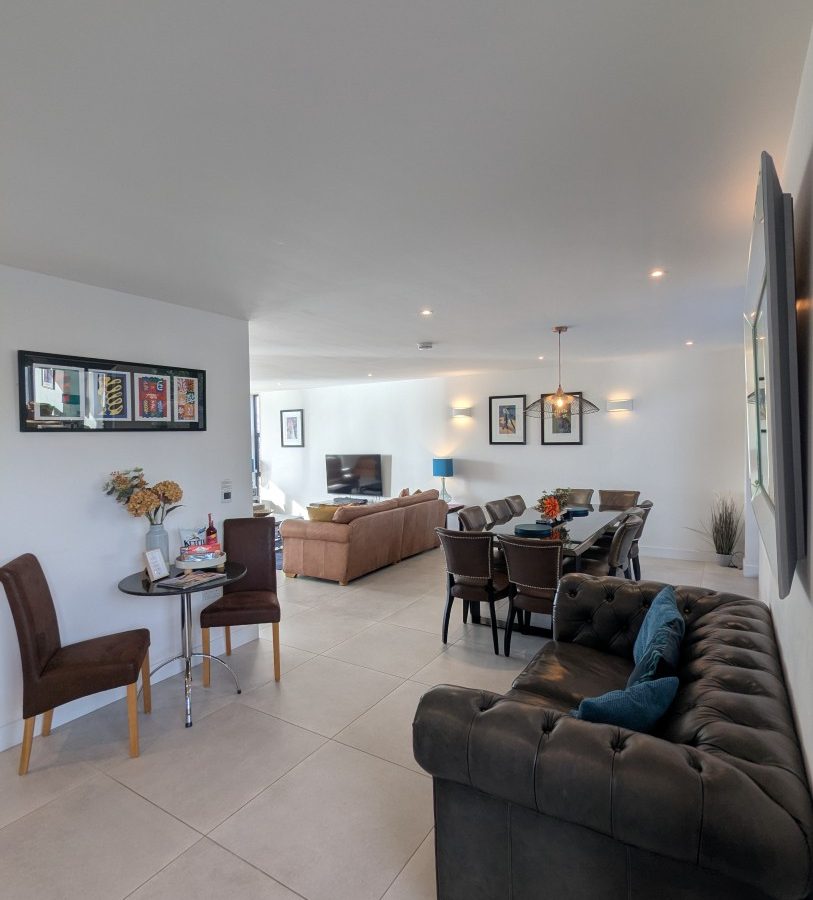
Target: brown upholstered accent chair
[516,504]
[471,576]
[579,497]
[499,512]
[53,674]
[617,557]
[472,518]
[253,599]
[642,510]
[534,570]
[617,499]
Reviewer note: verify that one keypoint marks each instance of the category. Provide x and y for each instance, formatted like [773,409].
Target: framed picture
[506,419]
[564,427]
[184,399]
[292,428]
[58,392]
[152,397]
[109,395]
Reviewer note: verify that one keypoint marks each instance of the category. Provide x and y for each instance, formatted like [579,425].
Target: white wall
[51,502]
[683,441]
[793,616]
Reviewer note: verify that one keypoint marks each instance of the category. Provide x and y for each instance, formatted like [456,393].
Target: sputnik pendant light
[557,403]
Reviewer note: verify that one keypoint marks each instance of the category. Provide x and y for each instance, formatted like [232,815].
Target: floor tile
[98,842]
[340,826]
[208,872]
[426,614]
[523,646]
[47,778]
[367,603]
[232,754]
[417,879]
[323,695]
[386,729]
[318,630]
[390,648]
[470,667]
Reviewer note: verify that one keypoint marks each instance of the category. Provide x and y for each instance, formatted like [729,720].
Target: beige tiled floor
[302,789]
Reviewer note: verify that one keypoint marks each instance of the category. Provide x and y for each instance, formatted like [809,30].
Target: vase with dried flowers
[552,504]
[155,501]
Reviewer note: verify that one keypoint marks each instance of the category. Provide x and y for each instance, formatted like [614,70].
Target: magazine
[192,579]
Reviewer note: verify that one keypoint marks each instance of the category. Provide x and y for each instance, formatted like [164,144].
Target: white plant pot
[724,560]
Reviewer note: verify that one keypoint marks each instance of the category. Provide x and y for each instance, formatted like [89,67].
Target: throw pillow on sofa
[638,707]
[657,646]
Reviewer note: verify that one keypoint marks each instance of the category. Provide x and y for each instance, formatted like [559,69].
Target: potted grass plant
[723,528]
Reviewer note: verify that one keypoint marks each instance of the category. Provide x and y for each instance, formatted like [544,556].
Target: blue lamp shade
[443,466]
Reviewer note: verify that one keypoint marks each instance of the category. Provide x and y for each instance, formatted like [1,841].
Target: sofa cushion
[418,497]
[657,647]
[662,613]
[568,673]
[345,514]
[638,707]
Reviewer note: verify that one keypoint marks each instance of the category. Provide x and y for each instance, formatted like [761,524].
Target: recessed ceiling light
[426,312]
[689,343]
[369,374]
[541,357]
[657,273]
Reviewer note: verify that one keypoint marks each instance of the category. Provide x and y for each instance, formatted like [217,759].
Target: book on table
[192,579]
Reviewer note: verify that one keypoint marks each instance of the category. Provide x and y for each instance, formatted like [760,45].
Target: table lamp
[444,467]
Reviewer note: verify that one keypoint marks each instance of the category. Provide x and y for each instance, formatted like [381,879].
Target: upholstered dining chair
[617,557]
[498,511]
[253,599]
[579,497]
[54,674]
[471,576]
[516,504]
[617,499]
[472,518]
[642,510]
[534,570]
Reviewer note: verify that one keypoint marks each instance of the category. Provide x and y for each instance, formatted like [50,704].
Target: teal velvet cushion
[638,707]
[657,646]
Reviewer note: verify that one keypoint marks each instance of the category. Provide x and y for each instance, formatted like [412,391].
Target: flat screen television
[351,474]
[772,380]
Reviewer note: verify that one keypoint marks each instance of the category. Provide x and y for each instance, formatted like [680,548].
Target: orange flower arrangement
[551,505]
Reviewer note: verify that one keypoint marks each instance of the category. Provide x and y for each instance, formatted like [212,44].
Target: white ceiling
[325,168]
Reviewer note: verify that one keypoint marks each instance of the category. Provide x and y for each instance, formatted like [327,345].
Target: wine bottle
[211,532]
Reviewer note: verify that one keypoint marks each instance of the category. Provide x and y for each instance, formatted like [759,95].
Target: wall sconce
[619,405]
[461,412]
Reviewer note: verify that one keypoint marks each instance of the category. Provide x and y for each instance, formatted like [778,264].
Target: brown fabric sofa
[361,539]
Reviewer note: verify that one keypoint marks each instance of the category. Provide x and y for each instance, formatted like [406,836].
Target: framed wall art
[565,427]
[77,393]
[506,419]
[292,428]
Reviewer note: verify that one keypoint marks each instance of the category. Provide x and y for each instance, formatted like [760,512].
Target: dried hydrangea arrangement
[155,501]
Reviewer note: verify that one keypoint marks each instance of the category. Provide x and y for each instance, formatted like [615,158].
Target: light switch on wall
[225,491]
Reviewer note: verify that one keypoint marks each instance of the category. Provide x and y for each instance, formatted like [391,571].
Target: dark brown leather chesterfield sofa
[532,803]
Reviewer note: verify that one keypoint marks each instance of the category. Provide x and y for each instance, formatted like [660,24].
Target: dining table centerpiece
[155,502]
[552,505]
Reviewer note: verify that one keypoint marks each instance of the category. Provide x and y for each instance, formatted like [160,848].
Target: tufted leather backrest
[251,542]
[472,518]
[32,609]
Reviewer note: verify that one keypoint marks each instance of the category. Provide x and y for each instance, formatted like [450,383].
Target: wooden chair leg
[493,613]
[207,663]
[446,615]
[509,624]
[465,611]
[132,717]
[275,635]
[636,568]
[146,687]
[47,720]
[28,740]
[228,640]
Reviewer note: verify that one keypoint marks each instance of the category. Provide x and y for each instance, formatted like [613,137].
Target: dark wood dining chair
[579,497]
[472,518]
[499,512]
[516,504]
[617,557]
[54,674]
[253,599]
[534,570]
[617,499]
[643,510]
[471,576]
